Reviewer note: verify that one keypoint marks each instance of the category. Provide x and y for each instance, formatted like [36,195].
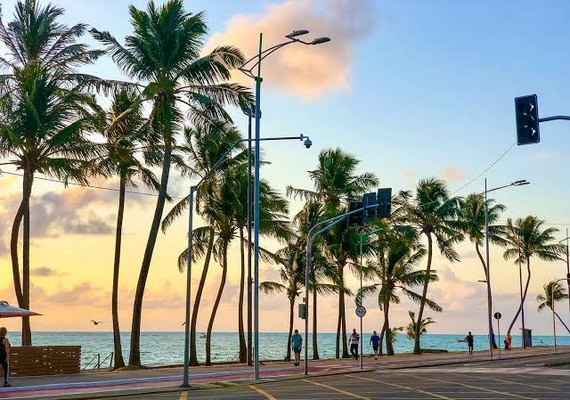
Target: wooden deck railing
[45,360]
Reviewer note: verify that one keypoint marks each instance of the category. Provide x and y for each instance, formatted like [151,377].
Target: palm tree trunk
[343,324]
[290,333]
[217,303]
[135,353]
[337,344]
[489,296]
[315,338]
[196,307]
[241,332]
[381,341]
[523,297]
[389,344]
[26,329]
[119,362]
[417,346]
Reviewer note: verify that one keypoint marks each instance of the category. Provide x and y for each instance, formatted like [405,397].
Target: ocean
[166,348]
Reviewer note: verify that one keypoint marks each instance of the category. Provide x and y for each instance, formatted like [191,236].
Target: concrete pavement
[99,384]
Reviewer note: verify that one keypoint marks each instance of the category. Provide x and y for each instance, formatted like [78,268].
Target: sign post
[498,318]
[361,312]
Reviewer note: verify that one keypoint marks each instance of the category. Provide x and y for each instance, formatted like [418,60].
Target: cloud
[307,71]
[452,173]
[46,272]
[542,155]
[409,173]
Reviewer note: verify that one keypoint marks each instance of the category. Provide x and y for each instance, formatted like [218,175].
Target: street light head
[300,32]
[321,40]
[308,143]
[521,182]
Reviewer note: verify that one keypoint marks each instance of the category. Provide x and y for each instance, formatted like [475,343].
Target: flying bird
[96,322]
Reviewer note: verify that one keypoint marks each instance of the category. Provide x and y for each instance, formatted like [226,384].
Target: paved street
[416,384]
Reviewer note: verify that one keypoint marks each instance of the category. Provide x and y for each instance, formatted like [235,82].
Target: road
[434,383]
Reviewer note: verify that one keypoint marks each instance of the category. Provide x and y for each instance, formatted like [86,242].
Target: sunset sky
[414,89]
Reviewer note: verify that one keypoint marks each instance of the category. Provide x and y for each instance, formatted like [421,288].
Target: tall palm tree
[472,224]
[45,110]
[164,53]
[398,256]
[123,127]
[293,280]
[553,292]
[335,180]
[433,213]
[527,238]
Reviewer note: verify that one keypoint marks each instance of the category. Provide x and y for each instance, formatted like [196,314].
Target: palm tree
[123,129]
[553,292]
[44,111]
[472,224]
[293,280]
[335,180]
[527,238]
[433,215]
[414,328]
[164,52]
[398,256]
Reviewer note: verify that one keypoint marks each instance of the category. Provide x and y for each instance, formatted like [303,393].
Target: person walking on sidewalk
[354,340]
[469,340]
[5,354]
[375,342]
[297,344]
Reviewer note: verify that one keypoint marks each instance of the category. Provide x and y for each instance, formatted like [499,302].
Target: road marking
[356,396]
[517,383]
[439,396]
[476,387]
[263,392]
[184,396]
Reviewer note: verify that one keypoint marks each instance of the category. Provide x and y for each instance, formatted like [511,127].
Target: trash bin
[527,337]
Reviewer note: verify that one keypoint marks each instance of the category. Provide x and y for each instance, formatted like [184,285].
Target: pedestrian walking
[354,340]
[5,354]
[469,340]
[297,345]
[508,342]
[375,342]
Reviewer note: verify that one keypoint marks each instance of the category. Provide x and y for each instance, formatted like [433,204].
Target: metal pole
[489,305]
[499,334]
[553,315]
[249,349]
[258,81]
[568,268]
[308,258]
[185,380]
[361,337]
[522,305]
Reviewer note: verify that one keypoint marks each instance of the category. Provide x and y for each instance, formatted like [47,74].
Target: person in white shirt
[354,340]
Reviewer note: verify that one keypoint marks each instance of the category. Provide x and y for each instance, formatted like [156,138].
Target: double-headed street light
[521,182]
[303,138]
[248,69]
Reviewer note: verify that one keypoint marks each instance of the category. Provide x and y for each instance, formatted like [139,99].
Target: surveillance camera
[308,143]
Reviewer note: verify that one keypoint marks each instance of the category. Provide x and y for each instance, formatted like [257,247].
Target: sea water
[167,348]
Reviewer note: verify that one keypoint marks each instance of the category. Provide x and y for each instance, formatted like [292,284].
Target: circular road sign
[498,315]
[360,311]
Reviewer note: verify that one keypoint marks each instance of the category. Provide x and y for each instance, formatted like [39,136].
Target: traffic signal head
[526,110]
[370,201]
[355,219]
[384,203]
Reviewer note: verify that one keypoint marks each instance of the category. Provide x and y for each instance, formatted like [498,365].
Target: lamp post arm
[261,56]
[554,118]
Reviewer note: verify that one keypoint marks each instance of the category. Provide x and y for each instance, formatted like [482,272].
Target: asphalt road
[409,384]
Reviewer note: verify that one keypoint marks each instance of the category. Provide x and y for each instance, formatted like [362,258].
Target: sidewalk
[98,384]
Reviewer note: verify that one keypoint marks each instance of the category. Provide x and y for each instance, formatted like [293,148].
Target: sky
[413,89]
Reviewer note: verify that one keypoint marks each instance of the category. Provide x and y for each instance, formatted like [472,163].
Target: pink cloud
[307,71]
[452,173]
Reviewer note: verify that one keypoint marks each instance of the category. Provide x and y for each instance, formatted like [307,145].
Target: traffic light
[526,110]
[384,203]
[370,203]
[357,218]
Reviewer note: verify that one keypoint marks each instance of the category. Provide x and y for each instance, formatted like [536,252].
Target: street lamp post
[247,68]
[488,277]
[567,264]
[193,189]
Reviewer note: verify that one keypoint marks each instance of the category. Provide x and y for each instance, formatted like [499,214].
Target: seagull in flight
[96,322]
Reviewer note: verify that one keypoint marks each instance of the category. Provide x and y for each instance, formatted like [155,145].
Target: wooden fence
[45,360]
